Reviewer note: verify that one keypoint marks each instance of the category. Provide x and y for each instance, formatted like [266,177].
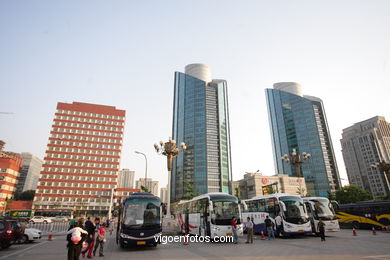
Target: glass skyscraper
[299,122]
[201,120]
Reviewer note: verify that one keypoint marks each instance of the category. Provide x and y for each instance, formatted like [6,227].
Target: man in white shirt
[249,230]
[279,226]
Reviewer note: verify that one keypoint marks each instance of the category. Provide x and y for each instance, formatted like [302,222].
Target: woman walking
[100,240]
[321,229]
[74,249]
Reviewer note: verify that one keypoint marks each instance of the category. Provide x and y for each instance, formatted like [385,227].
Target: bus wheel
[155,244]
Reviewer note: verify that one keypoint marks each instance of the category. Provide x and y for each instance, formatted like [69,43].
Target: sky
[125,53]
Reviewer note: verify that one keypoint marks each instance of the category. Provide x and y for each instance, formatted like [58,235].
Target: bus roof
[145,195]
[366,203]
[314,198]
[275,195]
[212,196]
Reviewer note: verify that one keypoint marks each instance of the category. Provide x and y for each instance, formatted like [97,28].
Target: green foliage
[352,194]
[189,191]
[331,195]
[144,189]
[26,195]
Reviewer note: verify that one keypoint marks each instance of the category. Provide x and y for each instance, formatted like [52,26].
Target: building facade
[29,173]
[256,184]
[164,194]
[201,120]
[150,184]
[364,144]
[126,179]
[299,122]
[82,159]
[10,164]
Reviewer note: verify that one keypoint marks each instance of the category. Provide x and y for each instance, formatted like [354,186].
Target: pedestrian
[76,233]
[234,229]
[74,250]
[91,228]
[71,222]
[321,229]
[268,224]
[279,225]
[249,230]
[100,239]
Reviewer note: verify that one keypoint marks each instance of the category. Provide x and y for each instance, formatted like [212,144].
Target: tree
[331,195]
[25,195]
[189,191]
[144,189]
[352,194]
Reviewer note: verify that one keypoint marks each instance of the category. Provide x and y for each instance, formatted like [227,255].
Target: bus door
[204,217]
[311,214]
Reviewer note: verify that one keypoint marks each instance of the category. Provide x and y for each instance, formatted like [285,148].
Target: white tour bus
[290,207]
[210,215]
[321,207]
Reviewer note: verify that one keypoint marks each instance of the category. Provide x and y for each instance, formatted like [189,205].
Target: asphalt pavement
[338,245]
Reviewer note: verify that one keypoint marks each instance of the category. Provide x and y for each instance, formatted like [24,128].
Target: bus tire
[121,244]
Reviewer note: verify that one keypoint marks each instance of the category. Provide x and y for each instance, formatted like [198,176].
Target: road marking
[19,252]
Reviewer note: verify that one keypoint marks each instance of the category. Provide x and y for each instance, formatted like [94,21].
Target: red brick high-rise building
[10,164]
[82,160]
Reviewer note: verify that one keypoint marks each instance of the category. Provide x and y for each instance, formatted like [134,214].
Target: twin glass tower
[299,122]
[201,120]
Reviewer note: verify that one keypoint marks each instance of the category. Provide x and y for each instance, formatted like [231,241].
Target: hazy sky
[125,53]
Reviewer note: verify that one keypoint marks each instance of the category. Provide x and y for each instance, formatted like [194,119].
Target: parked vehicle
[6,238]
[39,219]
[61,219]
[30,234]
[10,232]
[364,215]
[17,229]
[321,208]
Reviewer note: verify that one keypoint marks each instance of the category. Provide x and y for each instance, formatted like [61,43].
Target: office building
[201,120]
[299,122]
[164,194]
[29,173]
[364,144]
[256,184]
[149,184]
[126,179]
[82,159]
[10,164]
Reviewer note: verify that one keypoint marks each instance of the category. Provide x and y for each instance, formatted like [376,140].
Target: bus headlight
[287,225]
[217,228]
[123,235]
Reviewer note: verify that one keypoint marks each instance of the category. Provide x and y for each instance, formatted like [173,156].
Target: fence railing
[54,227]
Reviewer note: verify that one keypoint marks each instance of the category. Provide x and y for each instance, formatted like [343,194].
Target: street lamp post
[384,167]
[146,168]
[170,150]
[296,159]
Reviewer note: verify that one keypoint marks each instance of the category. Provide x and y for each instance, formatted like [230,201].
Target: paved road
[341,245]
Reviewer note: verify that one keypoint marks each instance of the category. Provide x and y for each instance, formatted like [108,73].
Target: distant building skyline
[299,122]
[201,120]
[126,179]
[81,165]
[364,144]
[150,184]
[29,173]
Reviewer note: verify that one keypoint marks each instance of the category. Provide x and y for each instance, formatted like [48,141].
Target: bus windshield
[224,211]
[141,213]
[323,209]
[295,212]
